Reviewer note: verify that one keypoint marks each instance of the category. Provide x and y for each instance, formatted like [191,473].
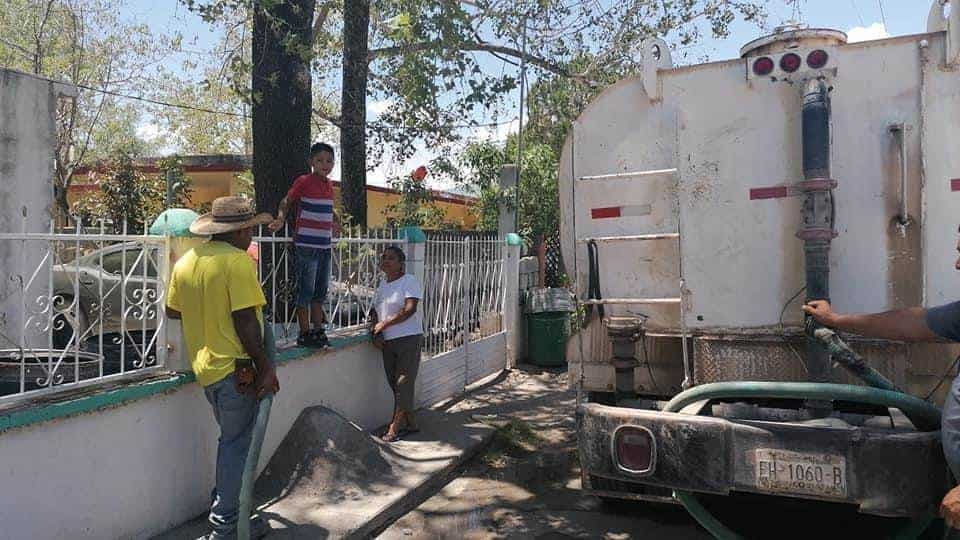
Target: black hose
[593,278]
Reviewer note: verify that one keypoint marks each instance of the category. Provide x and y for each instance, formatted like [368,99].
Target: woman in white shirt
[398,332]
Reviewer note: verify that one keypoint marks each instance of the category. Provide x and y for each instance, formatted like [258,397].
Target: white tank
[712,153]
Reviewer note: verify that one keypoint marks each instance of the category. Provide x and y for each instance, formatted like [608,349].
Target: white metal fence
[463,289]
[79,308]
[88,306]
[354,276]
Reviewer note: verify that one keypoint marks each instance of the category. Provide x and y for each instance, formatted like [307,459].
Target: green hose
[924,416]
[250,468]
[846,357]
[256,442]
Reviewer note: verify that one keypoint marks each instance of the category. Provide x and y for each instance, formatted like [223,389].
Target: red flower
[420,173]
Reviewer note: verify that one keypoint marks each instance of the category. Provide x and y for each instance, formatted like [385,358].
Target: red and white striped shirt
[314,196]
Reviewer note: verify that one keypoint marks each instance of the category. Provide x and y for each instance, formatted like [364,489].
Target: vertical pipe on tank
[817,227]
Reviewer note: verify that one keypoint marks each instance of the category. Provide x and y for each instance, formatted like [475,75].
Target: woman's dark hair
[398,252]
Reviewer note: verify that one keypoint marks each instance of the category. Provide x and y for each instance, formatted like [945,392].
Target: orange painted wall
[208,185]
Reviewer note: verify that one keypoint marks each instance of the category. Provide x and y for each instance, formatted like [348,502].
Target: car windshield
[122,262]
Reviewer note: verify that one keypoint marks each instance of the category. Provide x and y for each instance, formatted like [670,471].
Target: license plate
[795,473]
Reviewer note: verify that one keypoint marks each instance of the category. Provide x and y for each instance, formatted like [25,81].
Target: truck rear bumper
[882,471]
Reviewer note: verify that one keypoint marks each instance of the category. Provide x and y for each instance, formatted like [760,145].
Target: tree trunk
[61,209]
[282,98]
[353,114]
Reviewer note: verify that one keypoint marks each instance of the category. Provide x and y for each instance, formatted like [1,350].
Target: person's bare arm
[372,319]
[409,308]
[950,508]
[908,324]
[247,326]
[277,224]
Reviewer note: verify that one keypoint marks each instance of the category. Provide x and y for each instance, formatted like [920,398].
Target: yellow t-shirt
[208,284]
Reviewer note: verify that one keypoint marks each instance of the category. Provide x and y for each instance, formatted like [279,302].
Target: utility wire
[883,16]
[857,9]
[220,112]
[135,98]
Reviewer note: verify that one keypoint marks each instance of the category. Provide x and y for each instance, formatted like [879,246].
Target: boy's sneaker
[315,339]
[306,340]
[320,338]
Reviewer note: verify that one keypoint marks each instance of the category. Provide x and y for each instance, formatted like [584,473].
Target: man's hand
[379,327]
[950,508]
[267,382]
[275,225]
[822,312]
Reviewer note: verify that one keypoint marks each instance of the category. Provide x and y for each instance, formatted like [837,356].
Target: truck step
[635,174]
[631,238]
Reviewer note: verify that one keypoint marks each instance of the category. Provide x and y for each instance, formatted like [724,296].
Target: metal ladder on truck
[648,237]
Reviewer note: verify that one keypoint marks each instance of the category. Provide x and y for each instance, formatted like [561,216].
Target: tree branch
[38,40]
[17,48]
[482,47]
[335,121]
[320,20]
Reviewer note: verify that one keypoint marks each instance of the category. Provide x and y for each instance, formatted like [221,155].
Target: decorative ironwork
[556,274]
[79,308]
[463,289]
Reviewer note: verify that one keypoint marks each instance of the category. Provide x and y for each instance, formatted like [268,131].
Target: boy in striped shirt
[313,195]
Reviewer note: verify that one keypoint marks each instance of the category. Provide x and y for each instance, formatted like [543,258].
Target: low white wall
[141,468]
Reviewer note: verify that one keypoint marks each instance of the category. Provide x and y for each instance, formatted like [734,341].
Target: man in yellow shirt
[215,291]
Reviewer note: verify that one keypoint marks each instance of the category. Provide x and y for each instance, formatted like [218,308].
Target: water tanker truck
[701,206]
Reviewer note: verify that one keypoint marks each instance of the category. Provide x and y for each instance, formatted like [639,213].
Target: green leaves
[480,165]
[126,195]
[400,27]
[416,206]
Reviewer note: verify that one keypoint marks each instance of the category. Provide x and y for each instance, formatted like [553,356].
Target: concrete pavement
[331,479]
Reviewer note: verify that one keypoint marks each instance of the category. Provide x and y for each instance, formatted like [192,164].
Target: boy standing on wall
[313,194]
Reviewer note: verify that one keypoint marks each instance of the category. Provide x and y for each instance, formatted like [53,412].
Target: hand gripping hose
[924,416]
[846,357]
[256,441]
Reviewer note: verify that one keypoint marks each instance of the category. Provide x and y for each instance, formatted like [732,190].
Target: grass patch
[513,439]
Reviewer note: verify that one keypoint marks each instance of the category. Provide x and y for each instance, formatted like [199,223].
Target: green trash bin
[547,334]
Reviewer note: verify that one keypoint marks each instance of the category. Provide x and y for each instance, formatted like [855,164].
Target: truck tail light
[763,66]
[634,449]
[790,62]
[817,59]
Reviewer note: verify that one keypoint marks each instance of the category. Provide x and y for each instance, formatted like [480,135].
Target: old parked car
[100,291]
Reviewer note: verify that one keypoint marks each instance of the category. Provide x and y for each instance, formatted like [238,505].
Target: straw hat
[229,214]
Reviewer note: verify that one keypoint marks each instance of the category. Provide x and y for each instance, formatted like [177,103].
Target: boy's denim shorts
[313,275]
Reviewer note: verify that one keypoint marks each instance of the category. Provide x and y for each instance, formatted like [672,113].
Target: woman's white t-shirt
[389,300]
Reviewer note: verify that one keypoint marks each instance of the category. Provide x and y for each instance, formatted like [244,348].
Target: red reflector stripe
[955,184]
[608,212]
[776,192]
